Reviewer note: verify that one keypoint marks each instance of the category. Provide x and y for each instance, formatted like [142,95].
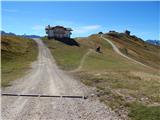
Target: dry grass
[137,49]
[122,84]
[122,89]
[17,53]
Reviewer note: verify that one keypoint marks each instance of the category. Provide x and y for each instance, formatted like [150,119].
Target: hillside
[17,53]
[136,48]
[127,87]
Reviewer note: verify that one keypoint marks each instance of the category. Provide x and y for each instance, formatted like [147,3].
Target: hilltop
[127,87]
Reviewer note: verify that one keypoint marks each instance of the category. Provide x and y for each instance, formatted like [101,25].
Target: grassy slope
[136,48]
[108,60]
[16,55]
[120,83]
[67,57]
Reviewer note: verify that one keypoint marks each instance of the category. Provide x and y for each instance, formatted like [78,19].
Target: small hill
[16,55]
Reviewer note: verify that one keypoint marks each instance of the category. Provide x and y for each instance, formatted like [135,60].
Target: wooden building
[58,32]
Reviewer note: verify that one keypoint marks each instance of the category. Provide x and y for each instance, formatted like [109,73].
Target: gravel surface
[46,78]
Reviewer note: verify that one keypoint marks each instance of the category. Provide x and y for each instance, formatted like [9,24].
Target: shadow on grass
[68,41]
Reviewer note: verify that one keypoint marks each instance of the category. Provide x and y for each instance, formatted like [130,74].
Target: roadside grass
[17,53]
[67,57]
[119,83]
[117,89]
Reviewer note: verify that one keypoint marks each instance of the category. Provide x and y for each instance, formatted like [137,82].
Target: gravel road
[46,78]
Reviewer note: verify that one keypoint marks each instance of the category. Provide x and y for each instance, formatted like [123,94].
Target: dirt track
[120,53]
[46,78]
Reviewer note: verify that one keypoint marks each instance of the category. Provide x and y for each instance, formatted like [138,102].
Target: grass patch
[142,112]
[17,53]
[67,57]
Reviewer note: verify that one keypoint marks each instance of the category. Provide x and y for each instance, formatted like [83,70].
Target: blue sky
[85,18]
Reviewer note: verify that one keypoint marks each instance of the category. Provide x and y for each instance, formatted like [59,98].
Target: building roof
[54,27]
[69,29]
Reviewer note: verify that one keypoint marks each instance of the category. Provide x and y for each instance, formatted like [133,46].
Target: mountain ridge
[154,42]
[13,34]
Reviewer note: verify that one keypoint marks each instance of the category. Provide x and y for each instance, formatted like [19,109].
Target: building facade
[58,32]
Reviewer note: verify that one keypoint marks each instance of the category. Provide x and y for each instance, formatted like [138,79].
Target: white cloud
[86,29]
[38,27]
